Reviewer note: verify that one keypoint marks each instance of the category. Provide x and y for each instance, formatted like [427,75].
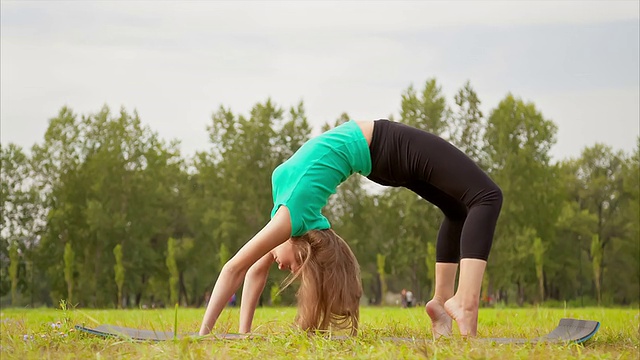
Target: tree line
[105,213]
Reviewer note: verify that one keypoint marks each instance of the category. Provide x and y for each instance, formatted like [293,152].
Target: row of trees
[105,213]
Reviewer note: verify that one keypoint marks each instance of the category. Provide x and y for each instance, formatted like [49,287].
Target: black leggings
[441,174]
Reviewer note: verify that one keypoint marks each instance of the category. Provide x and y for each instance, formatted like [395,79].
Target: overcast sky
[177,62]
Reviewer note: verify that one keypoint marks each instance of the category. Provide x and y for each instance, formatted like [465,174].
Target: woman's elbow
[233,268]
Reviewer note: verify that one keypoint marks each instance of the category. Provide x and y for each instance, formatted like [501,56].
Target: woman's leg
[463,306]
[447,255]
[444,288]
[475,243]
[443,175]
[467,234]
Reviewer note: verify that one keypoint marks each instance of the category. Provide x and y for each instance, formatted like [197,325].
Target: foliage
[14,259]
[173,270]
[538,251]
[223,256]
[380,260]
[518,141]
[103,181]
[21,219]
[119,271]
[69,265]
[274,295]
[596,259]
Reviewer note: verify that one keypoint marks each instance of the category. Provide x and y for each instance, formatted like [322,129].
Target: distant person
[409,298]
[403,298]
[299,238]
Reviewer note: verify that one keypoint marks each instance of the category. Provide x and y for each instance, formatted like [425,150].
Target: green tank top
[304,182]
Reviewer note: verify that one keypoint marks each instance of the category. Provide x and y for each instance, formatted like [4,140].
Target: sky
[176,63]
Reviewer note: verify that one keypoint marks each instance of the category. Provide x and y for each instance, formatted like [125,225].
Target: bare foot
[440,320]
[465,316]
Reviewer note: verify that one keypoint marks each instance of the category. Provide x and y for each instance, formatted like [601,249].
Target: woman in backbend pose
[299,238]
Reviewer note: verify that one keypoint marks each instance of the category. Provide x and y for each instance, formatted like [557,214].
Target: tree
[107,180]
[596,259]
[69,268]
[567,261]
[468,125]
[119,272]
[430,260]
[428,110]
[598,189]
[14,261]
[174,275]
[102,182]
[21,218]
[626,249]
[380,262]
[518,140]
[538,251]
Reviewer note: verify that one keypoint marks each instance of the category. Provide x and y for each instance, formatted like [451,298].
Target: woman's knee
[491,195]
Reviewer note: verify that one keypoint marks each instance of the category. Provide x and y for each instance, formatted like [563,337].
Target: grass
[49,334]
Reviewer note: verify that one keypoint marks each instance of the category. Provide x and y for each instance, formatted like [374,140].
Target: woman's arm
[254,283]
[277,231]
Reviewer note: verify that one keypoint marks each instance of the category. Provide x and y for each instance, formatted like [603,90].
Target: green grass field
[49,334]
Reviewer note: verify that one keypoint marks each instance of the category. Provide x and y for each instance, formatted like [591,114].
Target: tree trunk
[598,290]
[520,294]
[94,282]
[416,283]
[541,288]
[183,290]
[139,293]
[377,291]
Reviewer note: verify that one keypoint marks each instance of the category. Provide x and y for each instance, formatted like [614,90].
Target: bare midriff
[367,129]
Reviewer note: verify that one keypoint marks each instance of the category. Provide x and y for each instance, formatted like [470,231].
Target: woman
[299,237]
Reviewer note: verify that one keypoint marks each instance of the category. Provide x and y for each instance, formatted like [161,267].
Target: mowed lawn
[49,334]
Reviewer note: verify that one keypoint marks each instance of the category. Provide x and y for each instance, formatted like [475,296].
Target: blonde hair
[330,286]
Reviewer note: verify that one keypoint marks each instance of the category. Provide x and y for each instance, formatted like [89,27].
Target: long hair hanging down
[330,286]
